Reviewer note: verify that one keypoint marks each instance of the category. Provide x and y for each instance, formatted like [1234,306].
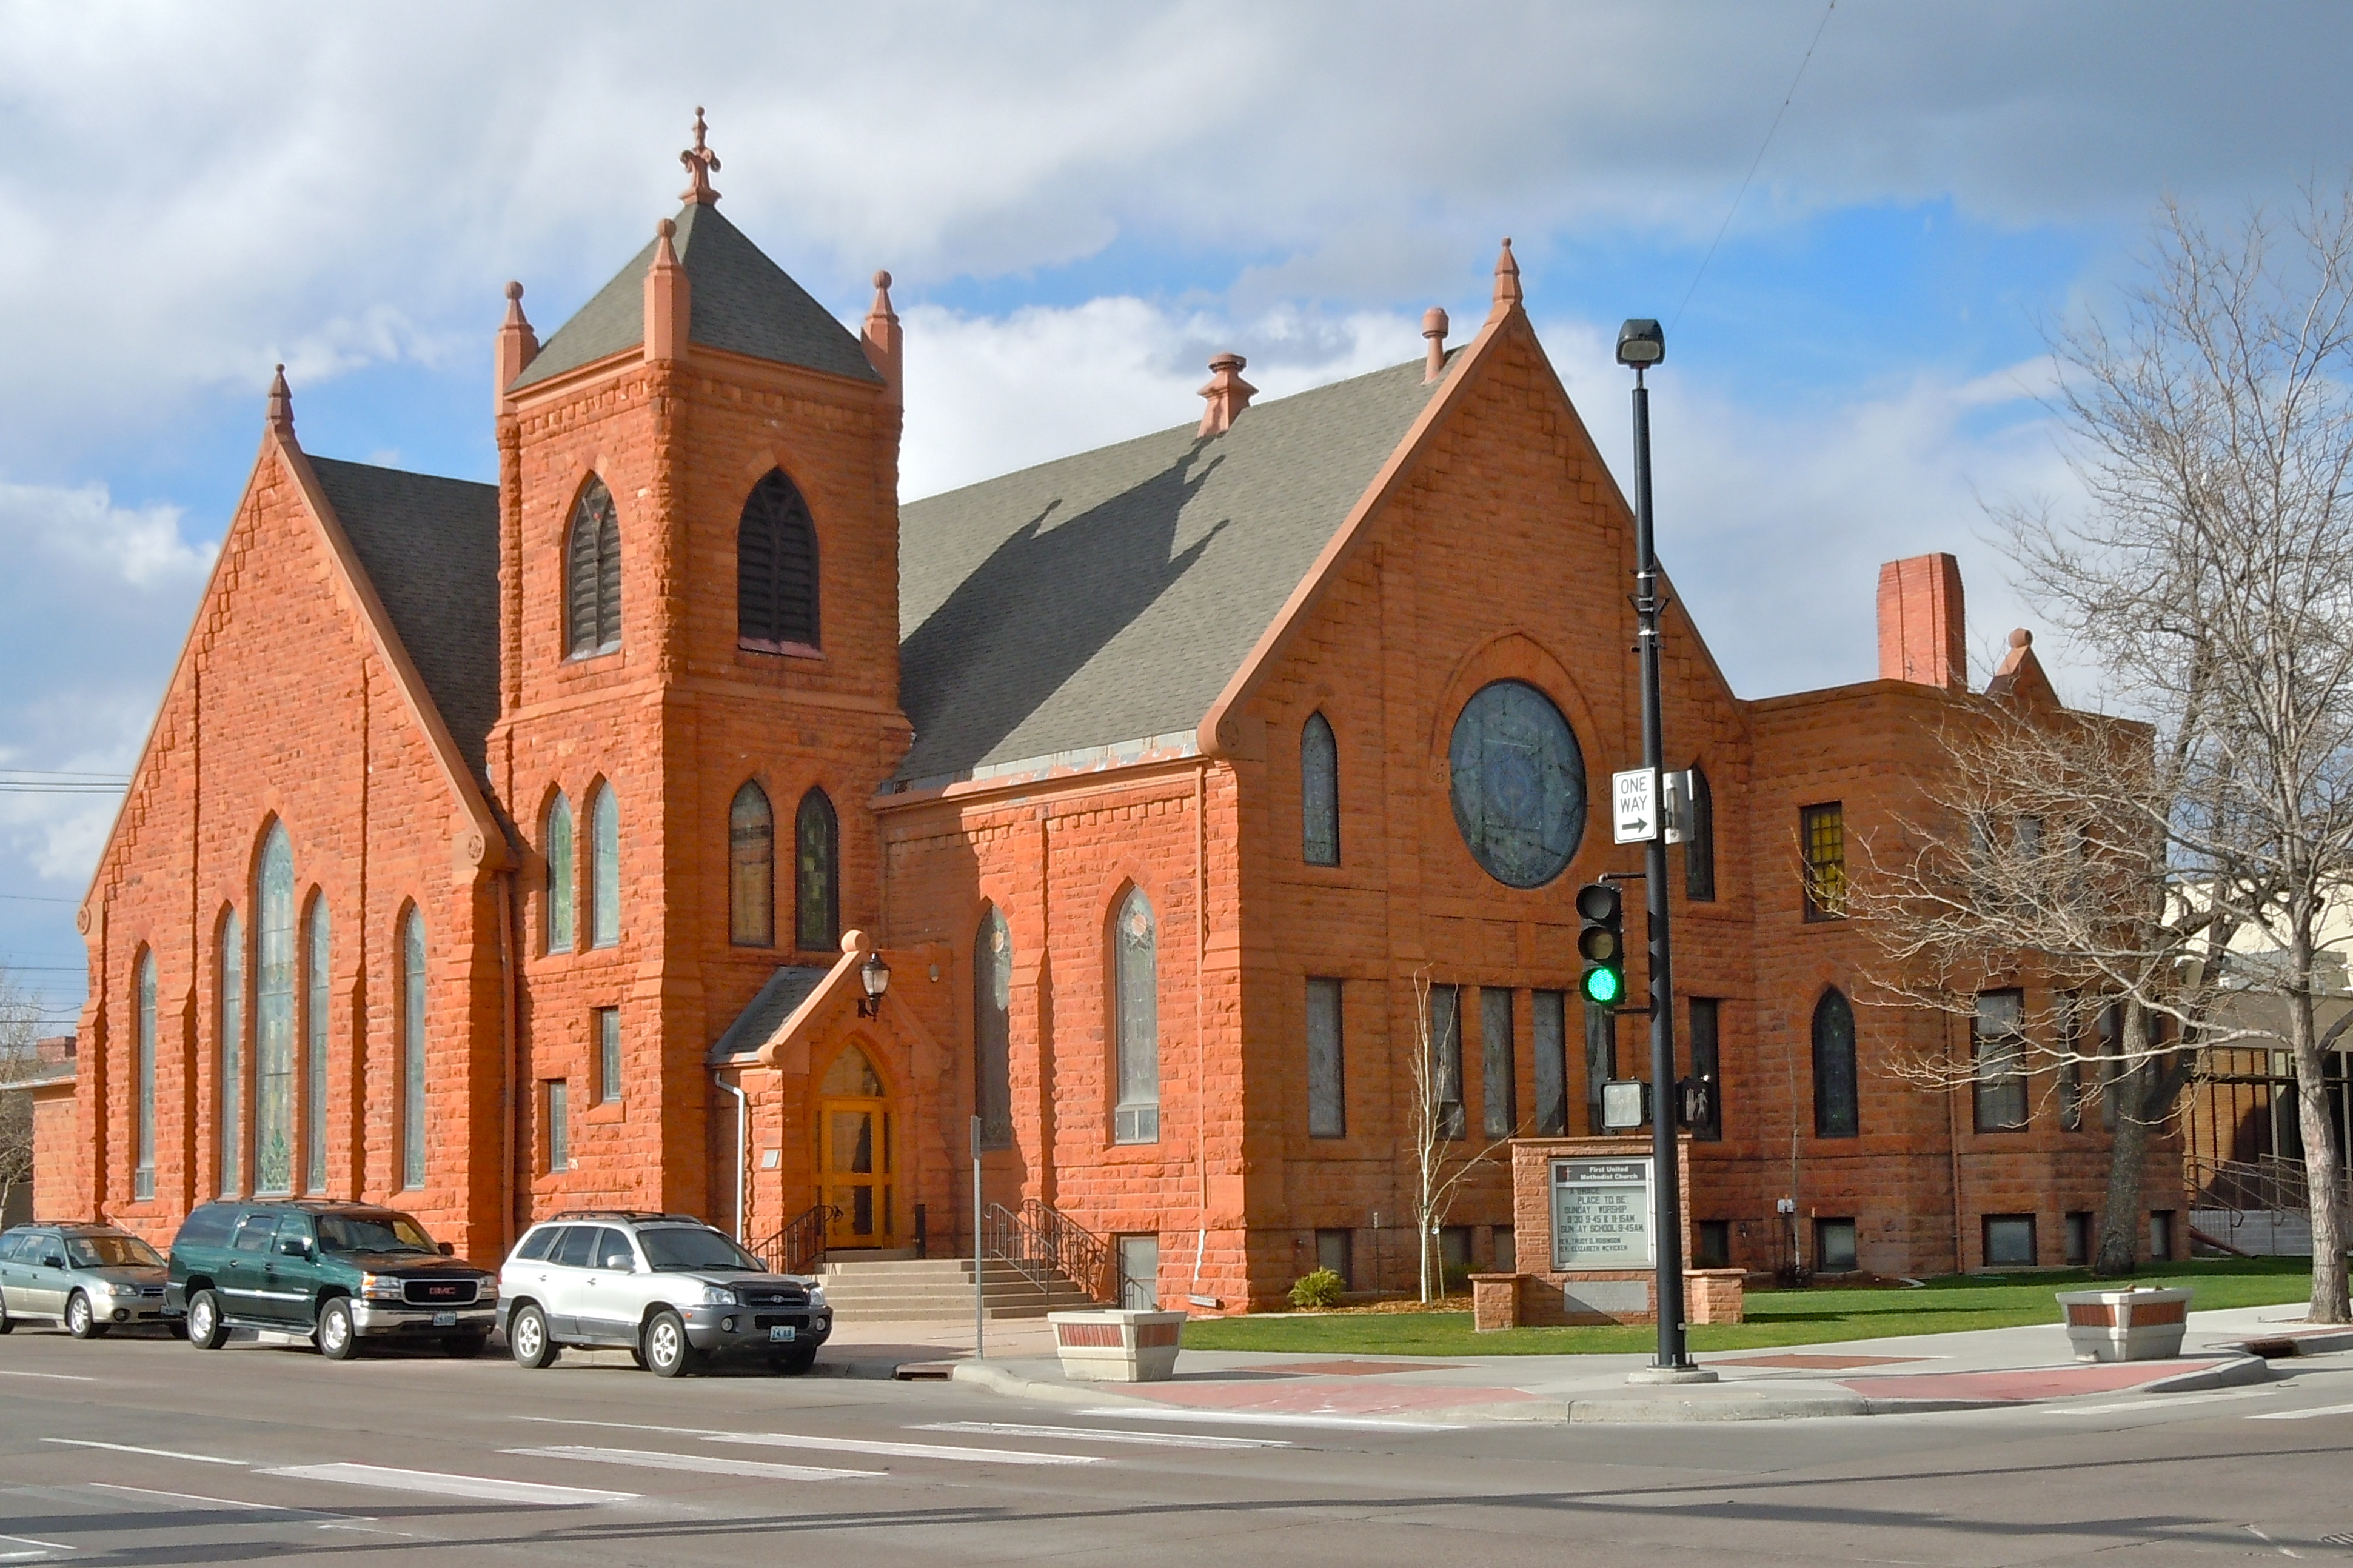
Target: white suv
[665,1286]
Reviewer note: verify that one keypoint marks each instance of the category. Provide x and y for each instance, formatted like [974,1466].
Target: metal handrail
[1039,1242]
[799,1246]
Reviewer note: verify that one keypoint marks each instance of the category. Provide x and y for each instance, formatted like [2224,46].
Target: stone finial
[1433,327]
[700,162]
[2021,637]
[1227,394]
[281,406]
[1507,278]
[517,346]
[669,311]
[882,339]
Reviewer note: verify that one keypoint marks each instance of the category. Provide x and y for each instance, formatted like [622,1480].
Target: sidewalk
[1866,1378]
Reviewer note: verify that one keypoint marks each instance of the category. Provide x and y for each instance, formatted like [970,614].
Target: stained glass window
[1319,790]
[1498,1069]
[1551,1023]
[775,569]
[1699,846]
[273,1019]
[1518,784]
[608,1056]
[561,887]
[604,868]
[412,1050]
[143,1178]
[992,1029]
[1446,1059]
[1836,1114]
[316,1016]
[592,593]
[817,890]
[232,1055]
[1998,1079]
[1327,1077]
[752,868]
[1822,829]
[1136,943]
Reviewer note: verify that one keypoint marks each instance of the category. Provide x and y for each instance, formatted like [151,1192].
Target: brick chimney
[1227,394]
[1922,637]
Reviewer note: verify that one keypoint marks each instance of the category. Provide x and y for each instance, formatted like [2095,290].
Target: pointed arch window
[1699,845]
[273,1018]
[1319,790]
[317,944]
[604,868]
[1836,1113]
[775,569]
[752,868]
[561,885]
[143,1179]
[592,572]
[230,1056]
[817,874]
[412,1048]
[992,1030]
[1136,964]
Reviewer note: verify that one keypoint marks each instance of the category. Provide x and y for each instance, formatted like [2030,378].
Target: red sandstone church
[503,848]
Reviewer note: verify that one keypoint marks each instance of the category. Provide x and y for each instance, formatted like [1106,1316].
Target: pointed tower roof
[742,303]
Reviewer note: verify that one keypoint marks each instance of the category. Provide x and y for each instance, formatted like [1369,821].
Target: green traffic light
[1604,986]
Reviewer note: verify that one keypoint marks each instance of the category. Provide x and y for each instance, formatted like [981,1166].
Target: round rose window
[1518,783]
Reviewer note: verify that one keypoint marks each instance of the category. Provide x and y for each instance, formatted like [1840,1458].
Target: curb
[2232,1374]
[997,1380]
[2282,1347]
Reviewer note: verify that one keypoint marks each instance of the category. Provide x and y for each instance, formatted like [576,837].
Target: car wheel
[794,1362]
[668,1354]
[527,1337]
[176,1327]
[465,1347]
[338,1339]
[80,1322]
[206,1329]
[6,1322]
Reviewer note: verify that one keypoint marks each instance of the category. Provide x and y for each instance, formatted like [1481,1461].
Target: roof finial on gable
[882,339]
[699,161]
[517,345]
[281,406]
[1507,278]
[1433,327]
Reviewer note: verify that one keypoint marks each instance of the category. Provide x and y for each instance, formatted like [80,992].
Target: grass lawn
[1774,1317]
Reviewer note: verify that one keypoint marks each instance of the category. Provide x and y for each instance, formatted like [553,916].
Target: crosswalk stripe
[2304,1415]
[2149,1404]
[651,1459]
[1102,1434]
[881,1449]
[156,1453]
[1266,1418]
[479,1488]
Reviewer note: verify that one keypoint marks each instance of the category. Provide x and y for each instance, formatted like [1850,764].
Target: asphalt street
[143,1450]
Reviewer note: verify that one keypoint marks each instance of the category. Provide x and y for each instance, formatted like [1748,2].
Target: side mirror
[293,1246]
[447,1250]
[54,1260]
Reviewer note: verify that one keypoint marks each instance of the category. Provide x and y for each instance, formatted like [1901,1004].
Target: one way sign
[1636,794]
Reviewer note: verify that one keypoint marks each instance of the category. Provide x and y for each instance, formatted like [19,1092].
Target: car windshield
[681,1247]
[372,1233]
[112,1252]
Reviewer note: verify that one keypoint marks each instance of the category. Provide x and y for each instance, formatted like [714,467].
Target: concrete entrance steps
[939,1290]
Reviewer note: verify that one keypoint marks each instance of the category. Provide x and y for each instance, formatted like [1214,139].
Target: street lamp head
[874,979]
[1641,343]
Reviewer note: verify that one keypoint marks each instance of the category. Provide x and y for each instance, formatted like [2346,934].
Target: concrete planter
[2125,1325]
[1115,1346]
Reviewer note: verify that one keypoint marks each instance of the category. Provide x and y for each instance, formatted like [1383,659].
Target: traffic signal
[1603,944]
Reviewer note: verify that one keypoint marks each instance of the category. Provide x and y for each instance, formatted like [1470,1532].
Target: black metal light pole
[1640,345]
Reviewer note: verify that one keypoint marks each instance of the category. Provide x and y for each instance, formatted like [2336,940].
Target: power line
[1753,165]
[36,898]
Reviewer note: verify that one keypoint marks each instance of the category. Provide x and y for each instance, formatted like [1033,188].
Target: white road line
[217,1501]
[52,1376]
[480,1488]
[652,1459]
[843,1445]
[2150,1403]
[1267,1418]
[2304,1415]
[1099,1435]
[158,1453]
[44,1545]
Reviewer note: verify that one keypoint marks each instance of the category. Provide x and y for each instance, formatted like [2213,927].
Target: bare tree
[19,1059]
[2210,580]
[1441,1157]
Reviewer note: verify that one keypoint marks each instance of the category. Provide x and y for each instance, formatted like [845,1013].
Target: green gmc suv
[341,1273]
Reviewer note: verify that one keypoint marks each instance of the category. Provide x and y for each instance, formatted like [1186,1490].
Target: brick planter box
[1115,1346]
[2125,1325]
[1552,1300]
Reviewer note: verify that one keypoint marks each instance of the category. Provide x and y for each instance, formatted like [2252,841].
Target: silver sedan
[87,1277]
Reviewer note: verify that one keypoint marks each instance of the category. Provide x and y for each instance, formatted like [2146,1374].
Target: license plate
[782,1335]
[445,1319]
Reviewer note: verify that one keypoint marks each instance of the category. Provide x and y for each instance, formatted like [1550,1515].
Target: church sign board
[1601,1214]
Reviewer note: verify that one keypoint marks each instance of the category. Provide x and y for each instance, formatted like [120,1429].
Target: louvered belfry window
[592,588]
[775,569]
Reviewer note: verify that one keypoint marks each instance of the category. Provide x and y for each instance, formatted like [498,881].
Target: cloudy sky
[1080,203]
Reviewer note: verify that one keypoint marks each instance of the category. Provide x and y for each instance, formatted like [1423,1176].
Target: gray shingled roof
[787,989]
[741,301]
[430,546]
[1109,596]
